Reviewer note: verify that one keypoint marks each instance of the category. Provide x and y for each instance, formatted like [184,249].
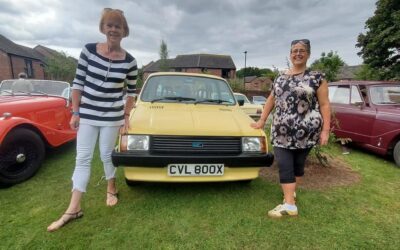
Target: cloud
[263,28]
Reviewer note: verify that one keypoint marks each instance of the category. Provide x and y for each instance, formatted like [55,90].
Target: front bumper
[145,159]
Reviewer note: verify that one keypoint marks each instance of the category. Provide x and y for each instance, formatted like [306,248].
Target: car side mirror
[241,102]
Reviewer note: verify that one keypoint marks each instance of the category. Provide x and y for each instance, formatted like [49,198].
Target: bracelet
[76,113]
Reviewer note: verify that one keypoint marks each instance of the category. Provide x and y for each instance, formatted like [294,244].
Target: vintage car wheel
[396,153]
[21,155]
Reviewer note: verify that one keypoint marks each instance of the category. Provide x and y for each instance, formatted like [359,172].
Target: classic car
[190,128]
[253,110]
[31,120]
[259,99]
[368,113]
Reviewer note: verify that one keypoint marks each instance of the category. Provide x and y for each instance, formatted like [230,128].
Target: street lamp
[244,72]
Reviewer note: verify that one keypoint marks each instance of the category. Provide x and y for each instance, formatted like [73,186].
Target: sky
[263,28]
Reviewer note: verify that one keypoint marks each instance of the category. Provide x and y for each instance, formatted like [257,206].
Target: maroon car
[369,114]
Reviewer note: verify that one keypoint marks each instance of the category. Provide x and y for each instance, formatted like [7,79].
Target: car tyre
[396,153]
[21,156]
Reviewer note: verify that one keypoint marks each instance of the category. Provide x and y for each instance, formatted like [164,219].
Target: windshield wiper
[219,101]
[173,98]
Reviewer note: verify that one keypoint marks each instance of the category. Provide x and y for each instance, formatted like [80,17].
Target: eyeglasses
[305,41]
[111,9]
[298,51]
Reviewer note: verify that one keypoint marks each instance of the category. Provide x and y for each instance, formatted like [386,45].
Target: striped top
[101,81]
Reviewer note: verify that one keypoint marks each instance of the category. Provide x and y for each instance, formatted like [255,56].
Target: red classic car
[32,117]
[369,114]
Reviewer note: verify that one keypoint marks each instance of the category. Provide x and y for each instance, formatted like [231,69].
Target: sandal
[63,221]
[112,199]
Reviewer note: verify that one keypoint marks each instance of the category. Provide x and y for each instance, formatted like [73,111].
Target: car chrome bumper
[127,159]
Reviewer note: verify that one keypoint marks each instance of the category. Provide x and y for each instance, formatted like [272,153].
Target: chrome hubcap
[20,158]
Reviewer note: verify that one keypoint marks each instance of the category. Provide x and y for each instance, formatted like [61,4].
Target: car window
[176,88]
[339,94]
[355,95]
[385,94]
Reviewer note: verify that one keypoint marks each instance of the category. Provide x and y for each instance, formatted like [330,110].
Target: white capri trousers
[85,144]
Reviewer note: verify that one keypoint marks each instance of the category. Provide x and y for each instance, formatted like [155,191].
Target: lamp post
[244,72]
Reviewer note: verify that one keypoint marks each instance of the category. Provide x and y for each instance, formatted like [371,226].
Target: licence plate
[195,169]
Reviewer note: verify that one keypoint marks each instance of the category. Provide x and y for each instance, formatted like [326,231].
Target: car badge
[197,144]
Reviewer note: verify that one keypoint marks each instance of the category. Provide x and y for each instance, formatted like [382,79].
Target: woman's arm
[325,109]
[76,99]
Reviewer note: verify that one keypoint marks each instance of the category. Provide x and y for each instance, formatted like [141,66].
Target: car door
[354,117]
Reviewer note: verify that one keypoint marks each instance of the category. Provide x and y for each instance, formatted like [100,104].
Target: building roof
[204,61]
[10,47]
[45,52]
[249,78]
[155,66]
[348,72]
[194,61]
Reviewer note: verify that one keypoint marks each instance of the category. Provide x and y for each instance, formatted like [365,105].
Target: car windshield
[240,97]
[34,87]
[189,89]
[385,94]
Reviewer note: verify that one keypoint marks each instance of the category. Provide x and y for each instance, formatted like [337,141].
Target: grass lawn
[365,215]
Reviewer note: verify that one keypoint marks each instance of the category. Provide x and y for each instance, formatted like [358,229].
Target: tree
[380,45]
[329,64]
[163,56]
[61,67]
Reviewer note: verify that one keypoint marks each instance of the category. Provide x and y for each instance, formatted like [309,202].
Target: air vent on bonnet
[156,107]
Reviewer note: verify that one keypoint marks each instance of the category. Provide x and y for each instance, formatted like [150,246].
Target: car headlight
[135,142]
[254,144]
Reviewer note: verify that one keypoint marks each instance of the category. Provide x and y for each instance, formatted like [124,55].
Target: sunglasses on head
[305,41]
[111,9]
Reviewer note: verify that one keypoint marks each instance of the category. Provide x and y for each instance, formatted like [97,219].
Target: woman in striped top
[98,107]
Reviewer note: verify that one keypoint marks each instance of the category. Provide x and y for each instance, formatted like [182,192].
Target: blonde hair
[114,14]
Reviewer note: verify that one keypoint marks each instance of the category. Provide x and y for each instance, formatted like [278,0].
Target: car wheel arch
[396,153]
[33,129]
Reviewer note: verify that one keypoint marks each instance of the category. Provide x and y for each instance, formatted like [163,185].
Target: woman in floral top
[300,121]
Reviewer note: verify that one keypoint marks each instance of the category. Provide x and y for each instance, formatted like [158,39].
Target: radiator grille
[195,145]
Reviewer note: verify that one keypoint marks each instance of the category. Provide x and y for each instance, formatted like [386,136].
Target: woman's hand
[324,137]
[74,122]
[124,128]
[259,124]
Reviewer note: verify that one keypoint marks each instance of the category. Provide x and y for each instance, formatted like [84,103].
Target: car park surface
[190,128]
[30,121]
[368,113]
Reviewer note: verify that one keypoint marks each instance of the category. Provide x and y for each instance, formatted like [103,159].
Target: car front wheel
[396,153]
[21,155]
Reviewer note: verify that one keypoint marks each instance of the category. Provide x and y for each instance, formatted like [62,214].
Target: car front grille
[176,145]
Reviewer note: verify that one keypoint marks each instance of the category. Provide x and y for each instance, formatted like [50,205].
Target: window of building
[29,68]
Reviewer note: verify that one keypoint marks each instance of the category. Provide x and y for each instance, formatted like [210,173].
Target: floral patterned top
[297,120]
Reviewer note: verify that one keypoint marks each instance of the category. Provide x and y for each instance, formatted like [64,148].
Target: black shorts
[291,163]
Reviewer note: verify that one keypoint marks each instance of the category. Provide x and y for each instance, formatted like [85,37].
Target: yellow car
[253,110]
[190,128]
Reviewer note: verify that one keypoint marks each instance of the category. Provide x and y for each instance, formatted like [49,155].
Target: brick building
[218,65]
[16,58]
